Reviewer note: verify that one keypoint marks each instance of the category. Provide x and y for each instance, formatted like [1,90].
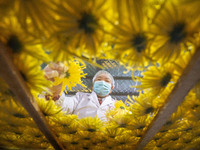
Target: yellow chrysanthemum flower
[14,114]
[130,39]
[25,143]
[14,37]
[84,145]
[60,124]
[137,133]
[90,124]
[71,77]
[191,102]
[194,144]
[160,100]
[70,141]
[140,123]
[32,74]
[160,144]
[173,36]
[66,127]
[119,109]
[173,145]
[174,122]
[151,145]
[82,24]
[9,139]
[119,104]
[39,14]
[194,115]
[156,79]
[163,144]
[120,120]
[33,137]
[142,105]
[86,135]
[58,49]
[186,138]
[8,126]
[158,136]
[112,132]
[49,108]
[109,145]
[187,126]
[18,131]
[99,140]
[172,136]
[125,141]
[195,132]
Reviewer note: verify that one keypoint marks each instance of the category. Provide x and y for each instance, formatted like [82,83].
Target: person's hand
[55,91]
[54,70]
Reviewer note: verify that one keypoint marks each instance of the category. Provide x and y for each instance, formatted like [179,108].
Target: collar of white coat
[107,100]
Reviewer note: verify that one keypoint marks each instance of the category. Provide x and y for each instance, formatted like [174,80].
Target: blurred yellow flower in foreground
[19,42]
[174,27]
[130,39]
[81,25]
[31,73]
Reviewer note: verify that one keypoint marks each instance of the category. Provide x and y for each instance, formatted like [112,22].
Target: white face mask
[102,88]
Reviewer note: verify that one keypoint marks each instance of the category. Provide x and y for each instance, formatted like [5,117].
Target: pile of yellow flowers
[156,36]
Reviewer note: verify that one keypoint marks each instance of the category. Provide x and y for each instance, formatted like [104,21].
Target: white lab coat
[85,105]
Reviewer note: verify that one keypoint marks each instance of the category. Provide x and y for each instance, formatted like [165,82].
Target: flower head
[49,108]
[173,36]
[14,115]
[19,42]
[36,16]
[112,132]
[91,124]
[31,73]
[156,79]
[81,24]
[119,109]
[130,39]
[142,105]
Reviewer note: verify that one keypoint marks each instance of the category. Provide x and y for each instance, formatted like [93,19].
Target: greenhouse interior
[100,74]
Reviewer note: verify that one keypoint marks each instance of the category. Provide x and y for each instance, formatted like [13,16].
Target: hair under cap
[106,73]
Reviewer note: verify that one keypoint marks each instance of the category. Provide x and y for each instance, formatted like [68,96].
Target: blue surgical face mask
[102,88]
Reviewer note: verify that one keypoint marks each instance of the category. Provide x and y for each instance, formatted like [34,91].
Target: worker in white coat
[92,104]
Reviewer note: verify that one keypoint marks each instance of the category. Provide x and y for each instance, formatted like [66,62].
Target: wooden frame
[186,82]
[16,83]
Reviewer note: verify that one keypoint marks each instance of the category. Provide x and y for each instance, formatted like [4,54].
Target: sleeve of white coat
[68,104]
